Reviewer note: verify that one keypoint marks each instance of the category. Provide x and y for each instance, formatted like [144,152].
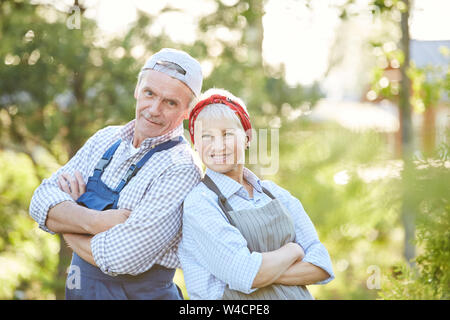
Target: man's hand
[91,221]
[74,186]
[105,220]
[81,245]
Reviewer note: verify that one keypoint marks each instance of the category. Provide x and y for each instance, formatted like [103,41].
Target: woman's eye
[206,136]
[229,133]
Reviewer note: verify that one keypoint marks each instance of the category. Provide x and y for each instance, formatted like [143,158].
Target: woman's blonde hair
[218,111]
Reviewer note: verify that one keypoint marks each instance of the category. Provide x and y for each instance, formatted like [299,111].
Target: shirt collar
[127,133]
[229,186]
[253,179]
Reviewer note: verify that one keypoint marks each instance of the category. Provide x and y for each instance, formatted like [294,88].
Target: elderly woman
[243,238]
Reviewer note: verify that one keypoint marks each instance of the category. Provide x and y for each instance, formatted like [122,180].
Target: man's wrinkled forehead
[158,82]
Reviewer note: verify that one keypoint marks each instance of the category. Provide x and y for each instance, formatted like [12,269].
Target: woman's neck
[237,174]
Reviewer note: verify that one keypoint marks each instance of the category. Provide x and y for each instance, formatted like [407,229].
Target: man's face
[162,103]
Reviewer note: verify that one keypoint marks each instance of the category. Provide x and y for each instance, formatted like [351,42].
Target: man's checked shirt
[155,195]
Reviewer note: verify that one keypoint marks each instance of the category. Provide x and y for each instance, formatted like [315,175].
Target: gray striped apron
[266,229]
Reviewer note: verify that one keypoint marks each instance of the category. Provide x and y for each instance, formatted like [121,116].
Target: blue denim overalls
[154,284]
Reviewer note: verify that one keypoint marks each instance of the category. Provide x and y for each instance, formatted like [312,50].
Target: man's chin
[150,129]
[150,123]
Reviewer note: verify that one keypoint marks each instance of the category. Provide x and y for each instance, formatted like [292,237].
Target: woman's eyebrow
[215,130]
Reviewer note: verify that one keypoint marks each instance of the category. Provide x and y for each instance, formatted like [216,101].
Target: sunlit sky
[299,37]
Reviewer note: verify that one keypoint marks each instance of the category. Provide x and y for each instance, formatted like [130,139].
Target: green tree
[387,10]
[430,279]
[59,84]
[231,40]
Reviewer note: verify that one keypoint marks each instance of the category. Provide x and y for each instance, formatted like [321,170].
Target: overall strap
[106,159]
[223,203]
[134,168]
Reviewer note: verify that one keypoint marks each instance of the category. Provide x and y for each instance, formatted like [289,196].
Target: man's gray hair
[168,67]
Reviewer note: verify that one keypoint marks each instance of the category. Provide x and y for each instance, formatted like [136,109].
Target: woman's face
[221,144]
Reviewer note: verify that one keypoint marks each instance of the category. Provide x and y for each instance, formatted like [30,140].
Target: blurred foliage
[54,79]
[430,184]
[28,256]
[59,85]
[230,42]
[429,84]
[349,186]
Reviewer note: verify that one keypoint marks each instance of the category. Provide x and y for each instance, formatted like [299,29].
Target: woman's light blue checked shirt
[213,253]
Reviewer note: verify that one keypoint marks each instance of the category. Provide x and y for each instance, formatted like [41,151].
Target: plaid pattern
[214,253]
[155,195]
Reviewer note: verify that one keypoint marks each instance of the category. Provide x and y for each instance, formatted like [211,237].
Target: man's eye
[206,136]
[148,92]
[172,103]
[229,133]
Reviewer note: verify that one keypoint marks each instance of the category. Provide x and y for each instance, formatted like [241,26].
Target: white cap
[190,72]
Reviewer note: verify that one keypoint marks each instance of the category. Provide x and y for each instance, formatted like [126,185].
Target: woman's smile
[220,158]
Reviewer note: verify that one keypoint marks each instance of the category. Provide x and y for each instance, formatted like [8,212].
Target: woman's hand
[73,185]
[275,263]
[299,250]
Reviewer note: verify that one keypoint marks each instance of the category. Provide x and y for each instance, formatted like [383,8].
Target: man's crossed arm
[79,224]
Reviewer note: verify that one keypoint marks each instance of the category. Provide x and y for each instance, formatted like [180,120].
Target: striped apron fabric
[266,229]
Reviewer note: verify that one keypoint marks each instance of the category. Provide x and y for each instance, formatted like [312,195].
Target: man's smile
[149,119]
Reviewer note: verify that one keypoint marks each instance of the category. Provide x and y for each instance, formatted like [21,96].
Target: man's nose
[154,107]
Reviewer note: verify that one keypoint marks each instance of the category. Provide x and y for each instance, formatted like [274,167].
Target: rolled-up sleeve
[305,233]
[48,194]
[152,228]
[218,245]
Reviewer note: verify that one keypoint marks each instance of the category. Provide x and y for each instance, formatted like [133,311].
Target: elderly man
[124,225]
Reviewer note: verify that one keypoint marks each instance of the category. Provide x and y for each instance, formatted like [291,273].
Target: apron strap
[223,203]
[134,168]
[106,159]
[267,192]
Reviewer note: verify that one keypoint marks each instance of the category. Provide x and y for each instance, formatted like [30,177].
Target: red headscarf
[216,98]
